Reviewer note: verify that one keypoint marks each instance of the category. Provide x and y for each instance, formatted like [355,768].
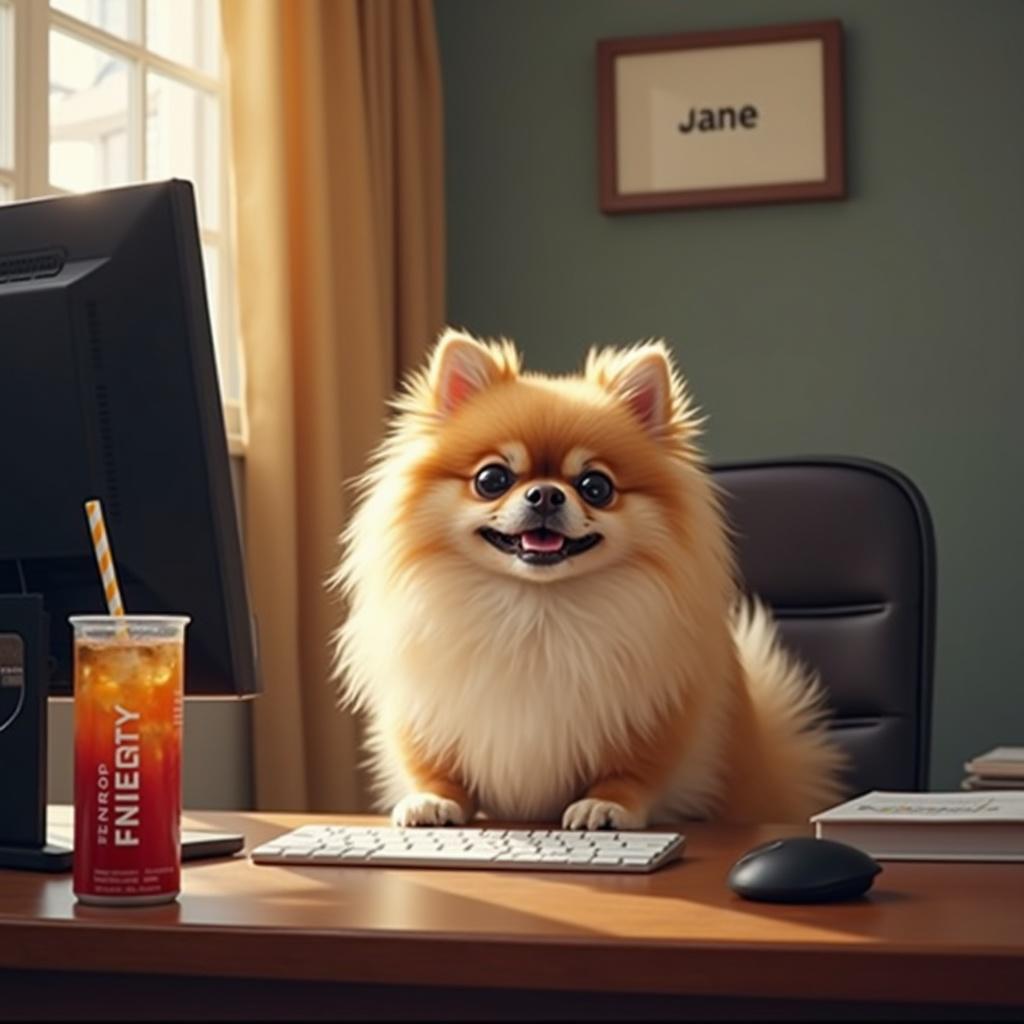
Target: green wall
[889,325]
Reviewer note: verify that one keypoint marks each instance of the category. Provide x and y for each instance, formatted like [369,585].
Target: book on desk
[930,826]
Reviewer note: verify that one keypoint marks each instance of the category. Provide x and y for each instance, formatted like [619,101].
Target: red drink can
[129,673]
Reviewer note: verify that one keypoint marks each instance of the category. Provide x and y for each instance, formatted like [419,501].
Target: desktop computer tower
[23,724]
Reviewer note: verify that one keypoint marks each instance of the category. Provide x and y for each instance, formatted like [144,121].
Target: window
[96,93]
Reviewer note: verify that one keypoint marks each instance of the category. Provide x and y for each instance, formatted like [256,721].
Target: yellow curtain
[335,112]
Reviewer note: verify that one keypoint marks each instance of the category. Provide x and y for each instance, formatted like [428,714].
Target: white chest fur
[526,686]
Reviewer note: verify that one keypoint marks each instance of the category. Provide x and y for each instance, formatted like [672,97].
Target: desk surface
[926,933]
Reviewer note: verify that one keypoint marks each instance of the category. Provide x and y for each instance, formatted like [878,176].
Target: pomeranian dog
[543,616]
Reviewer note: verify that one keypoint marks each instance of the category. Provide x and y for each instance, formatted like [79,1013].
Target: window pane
[6,86]
[225,373]
[111,15]
[187,31]
[88,116]
[6,192]
[183,140]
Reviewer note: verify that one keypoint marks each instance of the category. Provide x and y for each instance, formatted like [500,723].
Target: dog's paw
[595,814]
[426,809]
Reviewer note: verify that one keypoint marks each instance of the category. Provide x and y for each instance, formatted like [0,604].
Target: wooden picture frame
[721,118]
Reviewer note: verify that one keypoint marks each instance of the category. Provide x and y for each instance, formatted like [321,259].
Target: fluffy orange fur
[614,678]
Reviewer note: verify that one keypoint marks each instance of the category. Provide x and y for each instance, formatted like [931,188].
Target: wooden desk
[250,941]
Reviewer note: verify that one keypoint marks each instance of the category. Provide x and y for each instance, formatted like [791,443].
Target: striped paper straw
[104,558]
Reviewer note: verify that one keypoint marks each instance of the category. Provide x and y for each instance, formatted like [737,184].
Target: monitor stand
[47,857]
[23,724]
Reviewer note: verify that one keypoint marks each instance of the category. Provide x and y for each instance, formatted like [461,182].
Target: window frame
[29,175]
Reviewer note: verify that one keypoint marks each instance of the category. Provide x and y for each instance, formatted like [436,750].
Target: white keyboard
[358,846]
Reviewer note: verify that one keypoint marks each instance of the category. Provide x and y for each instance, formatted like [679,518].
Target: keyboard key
[394,855]
[441,860]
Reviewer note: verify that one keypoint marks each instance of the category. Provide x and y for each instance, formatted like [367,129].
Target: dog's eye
[493,481]
[595,489]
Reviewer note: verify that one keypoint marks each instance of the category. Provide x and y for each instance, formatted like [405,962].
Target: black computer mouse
[803,870]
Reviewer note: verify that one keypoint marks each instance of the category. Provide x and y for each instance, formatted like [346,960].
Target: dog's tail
[793,769]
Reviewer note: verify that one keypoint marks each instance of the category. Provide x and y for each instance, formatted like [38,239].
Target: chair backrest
[843,552]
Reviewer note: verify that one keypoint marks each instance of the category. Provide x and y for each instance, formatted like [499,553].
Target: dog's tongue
[541,540]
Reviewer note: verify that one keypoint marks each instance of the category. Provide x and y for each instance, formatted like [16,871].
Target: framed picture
[721,118]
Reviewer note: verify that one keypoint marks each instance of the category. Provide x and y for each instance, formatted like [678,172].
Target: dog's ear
[462,367]
[643,378]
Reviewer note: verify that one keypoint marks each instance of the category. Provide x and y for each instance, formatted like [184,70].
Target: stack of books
[999,768]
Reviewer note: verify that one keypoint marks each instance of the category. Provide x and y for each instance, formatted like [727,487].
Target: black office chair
[843,552]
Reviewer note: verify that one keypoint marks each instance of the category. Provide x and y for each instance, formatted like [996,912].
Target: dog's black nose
[545,498]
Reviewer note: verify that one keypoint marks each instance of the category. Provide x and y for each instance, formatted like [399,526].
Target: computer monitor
[108,389]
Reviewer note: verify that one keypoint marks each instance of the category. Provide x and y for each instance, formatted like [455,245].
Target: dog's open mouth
[540,547]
